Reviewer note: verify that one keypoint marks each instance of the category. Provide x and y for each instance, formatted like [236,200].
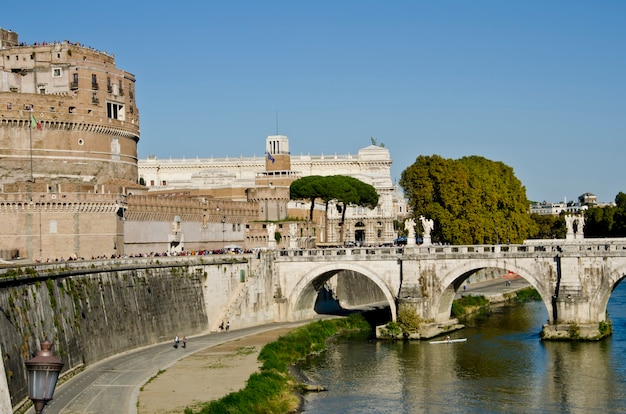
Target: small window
[56,72]
[116,111]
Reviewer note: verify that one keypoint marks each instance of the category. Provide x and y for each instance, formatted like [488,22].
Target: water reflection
[503,367]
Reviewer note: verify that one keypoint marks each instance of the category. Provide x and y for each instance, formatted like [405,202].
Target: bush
[391,330]
[460,306]
[408,319]
[527,294]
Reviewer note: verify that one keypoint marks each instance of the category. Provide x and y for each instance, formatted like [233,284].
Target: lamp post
[43,373]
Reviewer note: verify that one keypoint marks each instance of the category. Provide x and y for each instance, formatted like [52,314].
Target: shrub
[408,319]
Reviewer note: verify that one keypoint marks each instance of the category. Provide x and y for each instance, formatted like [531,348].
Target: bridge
[574,278]
[75,302]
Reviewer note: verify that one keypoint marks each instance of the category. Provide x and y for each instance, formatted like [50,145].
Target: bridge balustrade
[356,251]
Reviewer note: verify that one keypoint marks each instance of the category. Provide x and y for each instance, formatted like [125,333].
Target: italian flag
[34,123]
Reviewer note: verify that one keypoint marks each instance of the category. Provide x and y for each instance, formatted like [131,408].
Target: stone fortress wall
[85,107]
[105,309]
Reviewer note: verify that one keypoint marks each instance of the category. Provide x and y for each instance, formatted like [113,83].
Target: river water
[502,368]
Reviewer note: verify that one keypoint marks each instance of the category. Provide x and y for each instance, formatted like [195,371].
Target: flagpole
[30,129]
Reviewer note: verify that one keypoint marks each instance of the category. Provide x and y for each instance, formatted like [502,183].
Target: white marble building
[230,177]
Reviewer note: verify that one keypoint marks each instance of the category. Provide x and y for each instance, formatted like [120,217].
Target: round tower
[66,114]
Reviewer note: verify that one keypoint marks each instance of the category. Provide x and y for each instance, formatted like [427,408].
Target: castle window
[116,111]
[56,72]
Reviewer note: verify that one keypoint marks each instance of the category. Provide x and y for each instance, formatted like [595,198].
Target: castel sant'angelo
[72,185]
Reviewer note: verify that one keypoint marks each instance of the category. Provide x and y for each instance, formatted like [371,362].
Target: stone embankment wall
[93,310]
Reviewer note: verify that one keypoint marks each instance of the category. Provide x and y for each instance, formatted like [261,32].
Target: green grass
[527,294]
[461,306]
[272,390]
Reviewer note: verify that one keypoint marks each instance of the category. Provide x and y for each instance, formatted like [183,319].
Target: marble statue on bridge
[580,224]
[428,225]
[271,236]
[409,226]
[293,239]
[574,233]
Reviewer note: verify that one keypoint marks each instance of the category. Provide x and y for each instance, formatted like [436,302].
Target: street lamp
[43,373]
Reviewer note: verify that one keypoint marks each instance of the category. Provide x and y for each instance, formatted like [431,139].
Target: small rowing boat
[449,341]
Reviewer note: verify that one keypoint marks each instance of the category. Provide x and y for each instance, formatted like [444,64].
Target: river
[503,367]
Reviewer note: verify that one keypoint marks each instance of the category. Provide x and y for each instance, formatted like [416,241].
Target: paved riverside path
[113,385]
[493,287]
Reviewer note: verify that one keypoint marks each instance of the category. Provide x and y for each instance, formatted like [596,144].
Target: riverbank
[214,372]
[206,375]
[272,389]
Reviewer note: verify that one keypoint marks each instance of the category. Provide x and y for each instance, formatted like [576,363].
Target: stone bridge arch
[452,278]
[600,300]
[301,298]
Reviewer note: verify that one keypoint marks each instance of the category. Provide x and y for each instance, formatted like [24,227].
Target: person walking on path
[184,342]
[176,341]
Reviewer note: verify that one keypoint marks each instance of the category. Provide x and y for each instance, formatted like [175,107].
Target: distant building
[67,114]
[545,208]
[587,199]
[266,181]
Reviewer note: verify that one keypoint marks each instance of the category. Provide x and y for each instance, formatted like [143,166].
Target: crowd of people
[151,254]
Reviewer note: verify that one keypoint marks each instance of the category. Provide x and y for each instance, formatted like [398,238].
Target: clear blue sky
[538,85]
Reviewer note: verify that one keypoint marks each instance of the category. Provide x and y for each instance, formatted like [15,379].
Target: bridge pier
[412,298]
[575,314]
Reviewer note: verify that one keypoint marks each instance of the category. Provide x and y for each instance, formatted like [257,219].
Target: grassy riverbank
[273,390]
[467,305]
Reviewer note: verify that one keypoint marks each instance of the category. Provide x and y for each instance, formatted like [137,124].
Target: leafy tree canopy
[345,190]
[472,200]
[607,221]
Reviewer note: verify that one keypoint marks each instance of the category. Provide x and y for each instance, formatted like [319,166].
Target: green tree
[346,191]
[607,221]
[548,226]
[472,200]
[309,188]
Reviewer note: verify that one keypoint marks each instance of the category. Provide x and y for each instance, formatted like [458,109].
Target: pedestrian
[222,326]
[184,342]
[176,341]
[227,326]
